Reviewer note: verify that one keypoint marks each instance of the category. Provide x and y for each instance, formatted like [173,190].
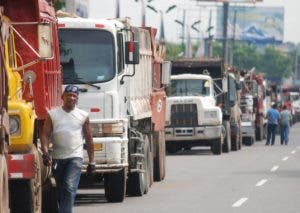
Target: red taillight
[61,25]
[95,110]
[131,47]
[99,25]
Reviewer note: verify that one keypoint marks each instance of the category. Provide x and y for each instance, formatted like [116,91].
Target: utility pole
[233,37]
[183,28]
[209,48]
[117,8]
[225,24]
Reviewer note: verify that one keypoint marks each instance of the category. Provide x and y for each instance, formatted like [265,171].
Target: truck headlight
[108,129]
[210,114]
[14,125]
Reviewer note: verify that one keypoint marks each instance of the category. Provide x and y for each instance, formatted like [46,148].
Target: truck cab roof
[190,76]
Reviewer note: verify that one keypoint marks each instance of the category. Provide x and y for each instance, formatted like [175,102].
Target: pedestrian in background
[285,121]
[273,118]
[67,127]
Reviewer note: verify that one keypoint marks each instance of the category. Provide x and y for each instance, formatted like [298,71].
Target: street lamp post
[162,27]
[117,8]
[143,12]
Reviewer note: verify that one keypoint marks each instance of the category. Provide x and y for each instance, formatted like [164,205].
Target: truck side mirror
[45,40]
[166,72]
[132,51]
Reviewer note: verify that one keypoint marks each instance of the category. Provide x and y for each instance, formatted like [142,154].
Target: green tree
[173,51]
[59,4]
[275,63]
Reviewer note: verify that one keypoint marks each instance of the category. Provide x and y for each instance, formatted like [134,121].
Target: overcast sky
[131,8]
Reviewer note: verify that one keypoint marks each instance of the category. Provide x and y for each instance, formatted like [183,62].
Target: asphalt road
[260,179]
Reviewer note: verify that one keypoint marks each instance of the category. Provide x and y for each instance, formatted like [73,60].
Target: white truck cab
[192,117]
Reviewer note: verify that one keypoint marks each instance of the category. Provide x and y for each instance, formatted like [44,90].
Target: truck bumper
[110,154]
[248,131]
[21,166]
[193,133]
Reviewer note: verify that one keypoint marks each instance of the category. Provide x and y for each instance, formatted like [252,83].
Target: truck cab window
[120,55]
[87,56]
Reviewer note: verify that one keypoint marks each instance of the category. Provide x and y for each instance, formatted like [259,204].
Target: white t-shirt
[67,135]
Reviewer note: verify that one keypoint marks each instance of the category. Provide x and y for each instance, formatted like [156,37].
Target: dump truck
[252,107]
[31,60]
[4,121]
[200,106]
[121,73]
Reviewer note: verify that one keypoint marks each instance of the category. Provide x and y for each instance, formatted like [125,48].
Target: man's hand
[91,169]
[47,160]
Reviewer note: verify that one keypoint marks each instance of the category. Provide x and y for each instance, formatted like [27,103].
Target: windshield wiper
[74,80]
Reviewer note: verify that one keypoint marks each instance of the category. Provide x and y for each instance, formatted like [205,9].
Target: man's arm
[89,140]
[45,138]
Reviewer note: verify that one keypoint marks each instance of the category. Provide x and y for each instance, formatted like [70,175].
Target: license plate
[98,146]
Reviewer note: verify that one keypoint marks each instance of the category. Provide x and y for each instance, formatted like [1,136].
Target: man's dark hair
[284,107]
[274,106]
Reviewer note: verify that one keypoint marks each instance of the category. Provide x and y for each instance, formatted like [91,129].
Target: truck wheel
[259,132]
[160,156]
[148,166]
[26,195]
[115,186]
[50,199]
[137,183]
[235,143]
[248,141]
[227,141]
[172,148]
[217,146]
[4,196]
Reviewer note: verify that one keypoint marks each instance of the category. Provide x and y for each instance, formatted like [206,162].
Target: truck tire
[260,131]
[216,147]
[227,141]
[148,165]
[26,195]
[172,147]
[235,143]
[248,141]
[160,156]
[137,183]
[4,196]
[50,199]
[115,186]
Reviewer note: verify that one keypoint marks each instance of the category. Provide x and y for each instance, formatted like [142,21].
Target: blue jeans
[271,133]
[284,134]
[67,176]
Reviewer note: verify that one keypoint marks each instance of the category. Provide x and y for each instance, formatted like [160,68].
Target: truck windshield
[188,87]
[86,56]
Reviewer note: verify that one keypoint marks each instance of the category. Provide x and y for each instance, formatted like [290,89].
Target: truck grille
[184,115]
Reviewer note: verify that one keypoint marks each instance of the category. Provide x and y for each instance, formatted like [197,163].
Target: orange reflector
[95,110]
[99,25]
[61,25]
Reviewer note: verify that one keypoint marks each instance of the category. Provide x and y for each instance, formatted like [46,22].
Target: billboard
[78,7]
[253,24]
[232,1]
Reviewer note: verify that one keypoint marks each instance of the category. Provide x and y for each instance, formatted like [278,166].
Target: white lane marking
[285,158]
[274,168]
[261,182]
[240,202]
[293,152]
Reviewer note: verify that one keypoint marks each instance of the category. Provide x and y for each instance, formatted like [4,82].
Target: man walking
[67,127]
[273,117]
[285,120]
